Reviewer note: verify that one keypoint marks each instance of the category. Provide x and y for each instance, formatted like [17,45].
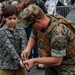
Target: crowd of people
[30,34]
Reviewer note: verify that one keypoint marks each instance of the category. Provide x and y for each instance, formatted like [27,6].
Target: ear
[38,20]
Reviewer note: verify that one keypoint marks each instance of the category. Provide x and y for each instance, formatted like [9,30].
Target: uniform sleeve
[60,35]
[34,35]
[24,39]
[9,47]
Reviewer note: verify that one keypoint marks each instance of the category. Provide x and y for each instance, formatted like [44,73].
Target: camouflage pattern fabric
[57,38]
[11,46]
[58,45]
[66,70]
[3,2]
[29,15]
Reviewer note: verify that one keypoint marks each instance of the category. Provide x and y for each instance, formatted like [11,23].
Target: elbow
[55,64]
[58,64]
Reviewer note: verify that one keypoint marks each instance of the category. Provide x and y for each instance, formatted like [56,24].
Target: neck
[11,28]
[46,21]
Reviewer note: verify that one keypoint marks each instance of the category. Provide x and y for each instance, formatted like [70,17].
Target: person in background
[3,2]
[51,6]
[56,40]
[12,42]
[0,14]
[73,3]
[41,4]
[2,5]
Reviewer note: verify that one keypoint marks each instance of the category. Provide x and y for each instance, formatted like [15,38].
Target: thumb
[26,66]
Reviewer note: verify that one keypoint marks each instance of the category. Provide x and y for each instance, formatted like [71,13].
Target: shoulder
[1,30]
[61,28]
[61,31]
[2,33]
[20,29]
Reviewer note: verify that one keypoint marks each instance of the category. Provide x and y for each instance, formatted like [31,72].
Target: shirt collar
[43,30]
[6,27]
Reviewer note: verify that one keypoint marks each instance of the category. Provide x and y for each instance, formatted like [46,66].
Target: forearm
[51,61]
[9,48]
[31,43]
[24,39]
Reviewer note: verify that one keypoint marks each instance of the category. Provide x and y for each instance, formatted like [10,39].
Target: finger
[27,56]
[26,66]
[22,65]
[23,55]
[26,69]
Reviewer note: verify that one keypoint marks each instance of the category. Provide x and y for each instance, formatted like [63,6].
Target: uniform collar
[6,27]
[43,30]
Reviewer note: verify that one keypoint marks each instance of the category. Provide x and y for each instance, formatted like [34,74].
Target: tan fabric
[45,48]
[12,72]
[71,45]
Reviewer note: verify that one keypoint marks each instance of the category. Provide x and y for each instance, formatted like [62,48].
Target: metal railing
[67,12]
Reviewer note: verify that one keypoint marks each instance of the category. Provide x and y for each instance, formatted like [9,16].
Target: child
[12,42]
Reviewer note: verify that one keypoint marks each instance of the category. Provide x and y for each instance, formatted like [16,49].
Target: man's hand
[24,66]
[25,54]
[30,63]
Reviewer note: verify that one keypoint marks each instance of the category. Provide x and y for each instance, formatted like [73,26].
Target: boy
[12,42]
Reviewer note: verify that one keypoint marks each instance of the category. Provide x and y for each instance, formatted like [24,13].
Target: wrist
[34,59]
[28,48]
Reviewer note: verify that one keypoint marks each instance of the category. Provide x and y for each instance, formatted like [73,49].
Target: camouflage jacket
[11,46]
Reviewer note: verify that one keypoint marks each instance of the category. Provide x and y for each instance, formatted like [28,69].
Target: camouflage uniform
[58,39]
[11,46]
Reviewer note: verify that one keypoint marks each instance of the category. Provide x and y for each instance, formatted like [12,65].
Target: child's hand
[21,64]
